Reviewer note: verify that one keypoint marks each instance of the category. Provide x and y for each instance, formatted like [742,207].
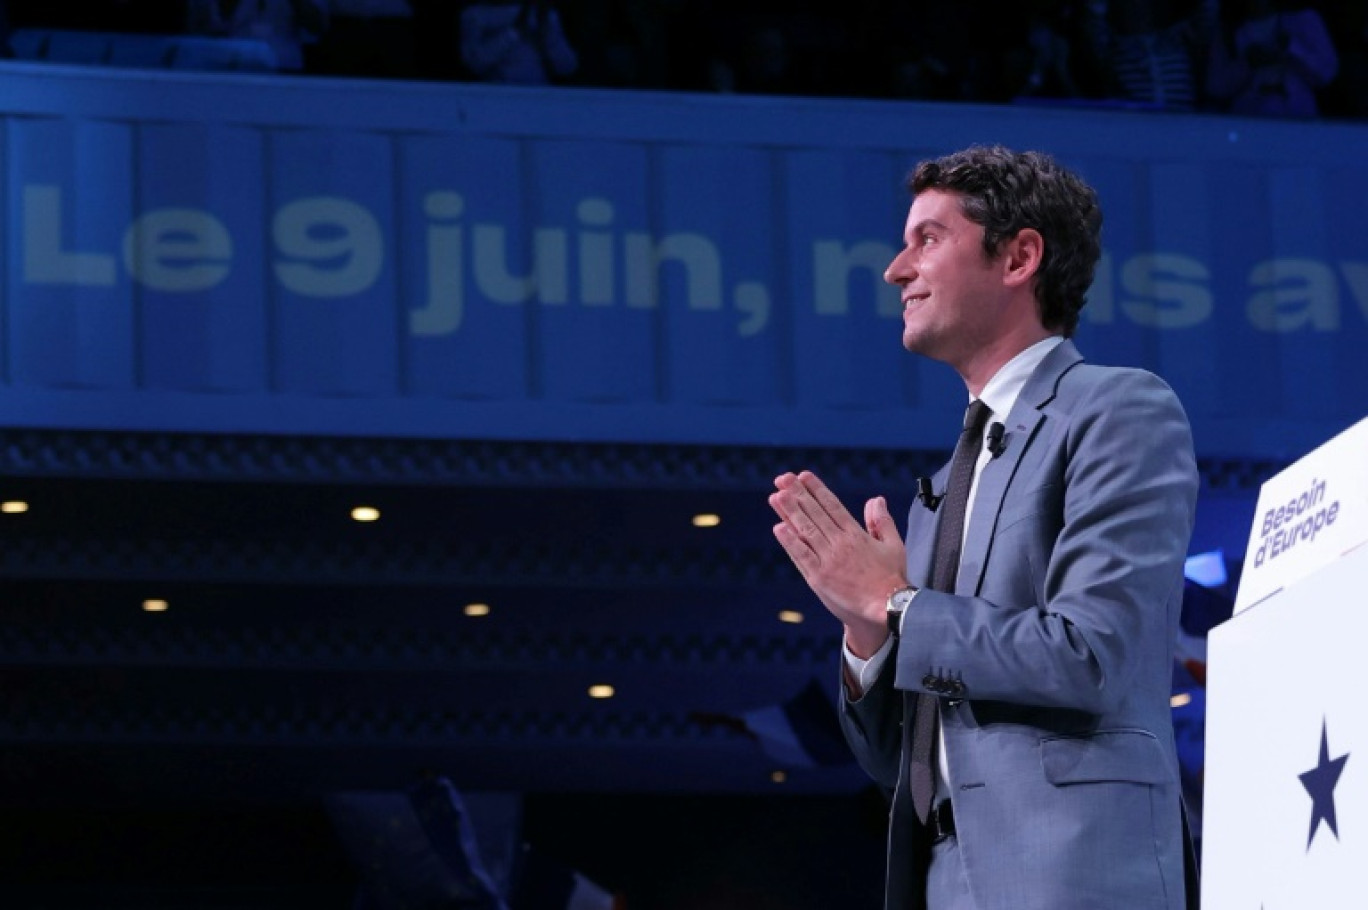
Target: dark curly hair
[1006,191]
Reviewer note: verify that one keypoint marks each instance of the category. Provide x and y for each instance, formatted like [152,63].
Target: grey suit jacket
[1053,655]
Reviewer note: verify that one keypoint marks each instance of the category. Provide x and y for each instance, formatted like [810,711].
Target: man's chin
[924,345]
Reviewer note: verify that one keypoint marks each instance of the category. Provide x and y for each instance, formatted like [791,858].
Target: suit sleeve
[872,727]
[1083,581]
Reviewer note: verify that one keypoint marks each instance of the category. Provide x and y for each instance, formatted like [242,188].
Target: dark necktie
[949,539]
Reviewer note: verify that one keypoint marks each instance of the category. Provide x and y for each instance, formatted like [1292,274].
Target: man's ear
[1024,254]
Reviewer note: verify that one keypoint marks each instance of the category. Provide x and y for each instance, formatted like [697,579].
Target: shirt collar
[1002,391]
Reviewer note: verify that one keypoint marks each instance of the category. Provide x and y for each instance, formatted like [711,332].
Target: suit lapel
[1022,426]
[921,536]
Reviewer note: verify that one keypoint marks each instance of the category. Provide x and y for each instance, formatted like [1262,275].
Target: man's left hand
[851,569]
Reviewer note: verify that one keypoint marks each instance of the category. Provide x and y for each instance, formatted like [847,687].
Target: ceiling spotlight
[601,691]
[14,507]
[707,520]
[155,605]
[790,616]
[365,513]
[1180,699]
[779,777]
[476,610]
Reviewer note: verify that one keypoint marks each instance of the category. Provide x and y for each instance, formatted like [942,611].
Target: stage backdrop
[288,255]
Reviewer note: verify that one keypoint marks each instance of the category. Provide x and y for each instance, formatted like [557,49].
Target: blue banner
[287,255]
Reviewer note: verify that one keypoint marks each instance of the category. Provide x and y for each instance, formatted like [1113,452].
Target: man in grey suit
[1044,657]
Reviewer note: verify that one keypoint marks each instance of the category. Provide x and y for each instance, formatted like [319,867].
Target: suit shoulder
[1094,374]
[1093,385]
[1123,401]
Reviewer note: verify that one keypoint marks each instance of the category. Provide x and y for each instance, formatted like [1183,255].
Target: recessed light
[476,610]
[365,513]
[14,507]
[601,691]
[707,520]
[779,777]
[155,605]
[1180,699]
[792,616]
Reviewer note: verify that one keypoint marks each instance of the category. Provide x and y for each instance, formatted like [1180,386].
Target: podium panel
[1308,516]
[1286,791]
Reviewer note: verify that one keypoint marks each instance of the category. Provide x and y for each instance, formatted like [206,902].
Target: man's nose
[900,270]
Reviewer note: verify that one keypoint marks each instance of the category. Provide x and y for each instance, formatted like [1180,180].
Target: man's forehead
[938,207]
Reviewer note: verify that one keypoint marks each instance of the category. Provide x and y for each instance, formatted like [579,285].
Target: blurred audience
[1042,65]
[763,47]
[1250,57]
[933,52]
[764,67]
[369,38]
[138,16]
[1347,94]
[519,42]
[285,25]
[1148,51]
[626,43]
[1270,58]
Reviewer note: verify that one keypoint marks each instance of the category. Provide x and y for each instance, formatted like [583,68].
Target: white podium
[1285,811]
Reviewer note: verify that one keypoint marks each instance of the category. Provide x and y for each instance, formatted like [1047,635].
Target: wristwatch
[897,604]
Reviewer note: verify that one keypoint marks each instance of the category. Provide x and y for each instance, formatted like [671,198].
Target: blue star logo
[1320,784]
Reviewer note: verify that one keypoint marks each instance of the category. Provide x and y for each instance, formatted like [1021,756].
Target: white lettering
[177,250]
[1167,282]
[45,262]
[596,253]
[547,280]
[492,275]
[445,296]
[550,249]
[752,301]
[335,244]
[1313,301]
[702,269]
[832,264]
